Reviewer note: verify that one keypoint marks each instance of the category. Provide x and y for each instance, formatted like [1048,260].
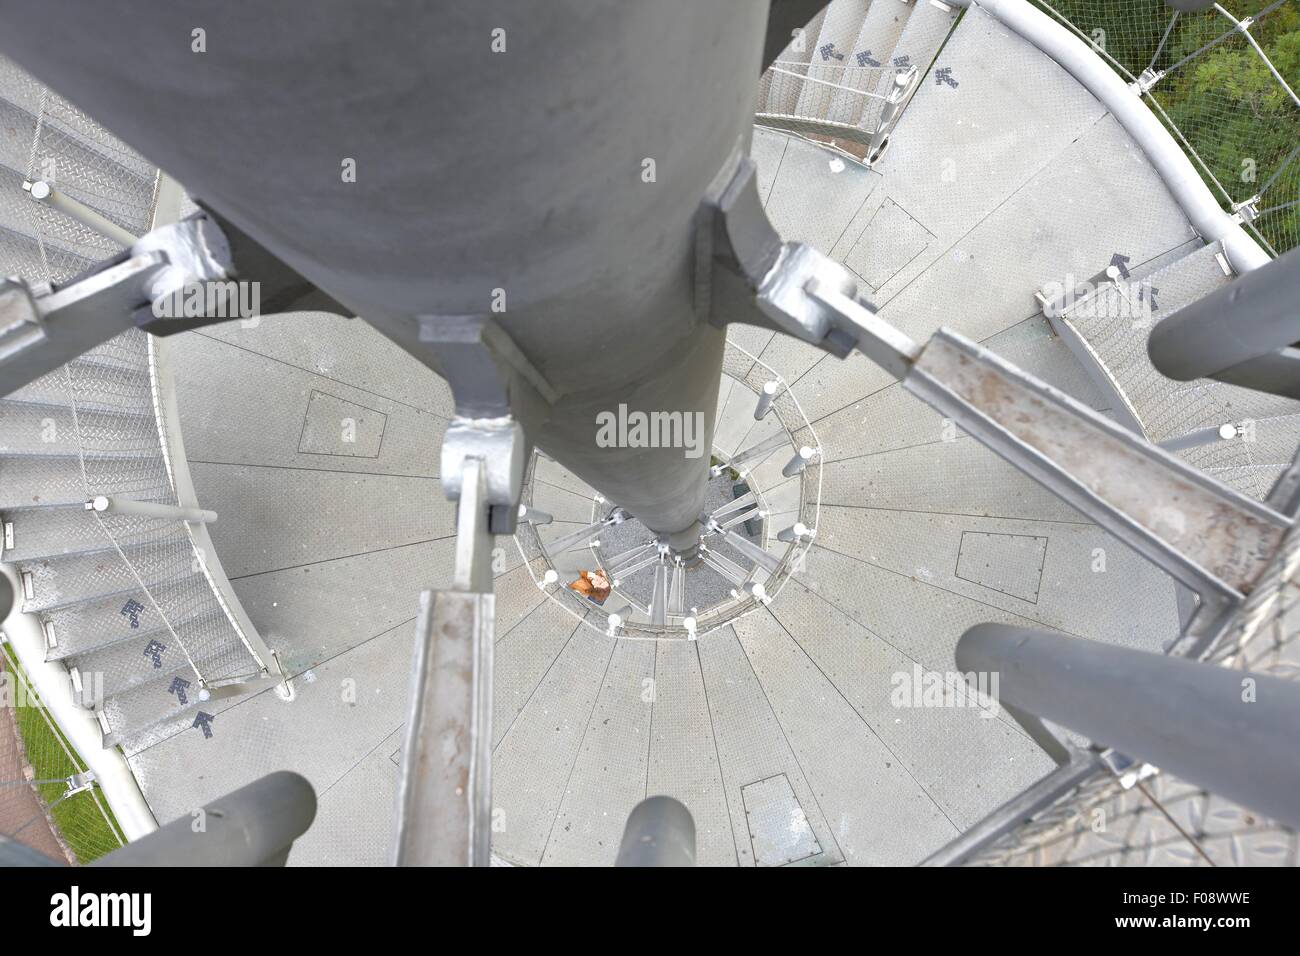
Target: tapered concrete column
[1231,732]
[544,168]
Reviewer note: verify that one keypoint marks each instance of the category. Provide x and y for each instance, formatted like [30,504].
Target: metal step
[831,60]
[59,582]
[872,53]
[131,663]
[84,171]
[47,430]
[44,481]
[923,34]
[99,387]
[70,648]
[52,532]
[20,255]
[80,628]
[155,710]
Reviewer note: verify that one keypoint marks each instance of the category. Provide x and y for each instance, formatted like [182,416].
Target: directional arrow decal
[203,721]
[178,688]
[1121,262]
[154,651]
[131,610]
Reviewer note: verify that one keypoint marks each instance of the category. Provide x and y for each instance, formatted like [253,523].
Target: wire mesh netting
[1223,81]
[46,801]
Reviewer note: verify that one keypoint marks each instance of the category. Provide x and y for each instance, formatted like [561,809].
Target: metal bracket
[483,366]
[44,328]
[1247,209]
[1146,80]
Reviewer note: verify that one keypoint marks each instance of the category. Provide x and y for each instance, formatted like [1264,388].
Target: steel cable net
[1215,91]
[46,804]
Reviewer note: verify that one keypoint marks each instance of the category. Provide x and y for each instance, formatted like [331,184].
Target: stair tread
[81,627]
[41,481]
[164,555]
[150,657]
[68,530]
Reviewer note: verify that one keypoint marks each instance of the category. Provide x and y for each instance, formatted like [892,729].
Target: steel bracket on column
[43,327]
[486,372]
[755,278]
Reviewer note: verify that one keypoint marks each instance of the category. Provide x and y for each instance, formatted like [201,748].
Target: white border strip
[1181,178]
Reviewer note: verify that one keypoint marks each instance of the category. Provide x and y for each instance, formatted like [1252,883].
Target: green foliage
[1222,99]
[83,821]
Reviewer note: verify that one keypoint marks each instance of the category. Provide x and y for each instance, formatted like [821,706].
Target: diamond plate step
[46,430]
[44,481]
[79,628]
[57,582]
[52,532]
[131,663]
[152,708]
[100,386]
[918,44]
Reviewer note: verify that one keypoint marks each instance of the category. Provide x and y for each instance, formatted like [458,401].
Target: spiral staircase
[958,172]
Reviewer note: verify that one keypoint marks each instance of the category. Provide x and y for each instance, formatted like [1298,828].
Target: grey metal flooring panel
[959,476]
[345,350]
[608,775]
[751,744]
[225,394]
[683,757]
[313,613]
[339,715]
[532,765]
[966,759]
[295,518]
[522,657]
[881,814]
[1074,593]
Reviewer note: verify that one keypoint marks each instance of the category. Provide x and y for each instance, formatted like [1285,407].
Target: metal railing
[1212,78]
[846,102]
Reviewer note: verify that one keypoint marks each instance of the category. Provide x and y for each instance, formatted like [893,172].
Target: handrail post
[1187,717]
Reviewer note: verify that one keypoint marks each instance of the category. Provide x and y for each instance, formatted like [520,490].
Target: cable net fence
[48,803]
[1223,81]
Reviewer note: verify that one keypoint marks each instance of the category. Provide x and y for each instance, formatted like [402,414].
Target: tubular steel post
[1231,732]
[43,192]
[660,832]
[253,826]
[1264,304]
[116,505]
